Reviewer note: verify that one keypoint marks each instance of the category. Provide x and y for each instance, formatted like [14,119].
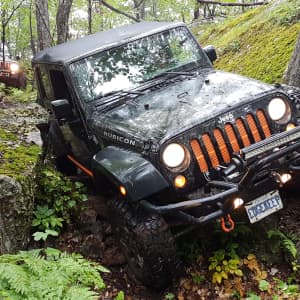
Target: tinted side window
[40,86]
[59,84]
[45,83]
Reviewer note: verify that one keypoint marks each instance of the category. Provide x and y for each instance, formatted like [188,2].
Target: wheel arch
[129,169]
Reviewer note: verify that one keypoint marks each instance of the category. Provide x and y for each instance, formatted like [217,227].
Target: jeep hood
[180,105]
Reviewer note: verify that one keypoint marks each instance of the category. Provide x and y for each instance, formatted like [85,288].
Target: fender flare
[122,167]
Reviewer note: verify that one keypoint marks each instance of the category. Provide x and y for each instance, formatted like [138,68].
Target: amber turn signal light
[180,181]
[123,190]
[290,126]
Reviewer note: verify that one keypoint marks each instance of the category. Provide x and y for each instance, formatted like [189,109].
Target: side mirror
[62,110]
[210,51]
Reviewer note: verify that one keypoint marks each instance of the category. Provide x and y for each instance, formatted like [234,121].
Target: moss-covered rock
[258,43]
[19,155]
[16,204]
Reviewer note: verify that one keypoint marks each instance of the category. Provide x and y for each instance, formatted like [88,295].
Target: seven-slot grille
[215,147]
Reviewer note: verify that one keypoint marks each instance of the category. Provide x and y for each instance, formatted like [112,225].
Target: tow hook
[227,224]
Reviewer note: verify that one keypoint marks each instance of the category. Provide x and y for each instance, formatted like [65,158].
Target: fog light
[237,202]
[123,190]
[284,178]
[290,126]
[180,181]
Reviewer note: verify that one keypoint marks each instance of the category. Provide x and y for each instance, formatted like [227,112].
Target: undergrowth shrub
[11,94]
[57,200]
[49,274]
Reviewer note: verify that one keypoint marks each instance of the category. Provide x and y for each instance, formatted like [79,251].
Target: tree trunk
[154,9]
[196,10]
[43,24]
[62,20]
[89,16]
[292,76]
[32,42]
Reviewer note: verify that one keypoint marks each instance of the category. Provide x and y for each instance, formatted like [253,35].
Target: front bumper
[9,78]
[260,162]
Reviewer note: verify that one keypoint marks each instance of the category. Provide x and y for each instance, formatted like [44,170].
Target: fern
[286,242]
[49,274]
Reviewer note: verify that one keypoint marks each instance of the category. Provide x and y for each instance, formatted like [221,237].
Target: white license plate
[263,206]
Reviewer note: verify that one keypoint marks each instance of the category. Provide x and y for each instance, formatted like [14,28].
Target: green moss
[7,136]
[16,161]
[258,43]
[263,54]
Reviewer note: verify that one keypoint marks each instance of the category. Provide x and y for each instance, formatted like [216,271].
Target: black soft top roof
[70,51]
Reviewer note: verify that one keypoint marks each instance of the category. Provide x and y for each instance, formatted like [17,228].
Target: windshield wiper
[120,93]
[167,73]
[182,73]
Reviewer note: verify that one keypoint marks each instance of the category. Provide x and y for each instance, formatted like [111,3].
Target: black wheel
[147,244]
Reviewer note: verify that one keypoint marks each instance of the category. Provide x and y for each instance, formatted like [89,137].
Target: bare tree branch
[11,14]
[231,3]
[119,11]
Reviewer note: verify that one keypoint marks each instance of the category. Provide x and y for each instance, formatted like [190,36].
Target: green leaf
[238,273]
[36,222]
[252,296]
[39,235]
[102,269]
[263,285]
[169,296]
[51,232]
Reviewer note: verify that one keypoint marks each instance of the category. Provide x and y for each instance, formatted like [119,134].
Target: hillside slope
[258,43]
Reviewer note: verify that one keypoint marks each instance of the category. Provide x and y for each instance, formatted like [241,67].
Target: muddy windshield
[127,66]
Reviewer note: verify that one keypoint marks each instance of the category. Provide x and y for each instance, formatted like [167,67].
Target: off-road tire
[146,242]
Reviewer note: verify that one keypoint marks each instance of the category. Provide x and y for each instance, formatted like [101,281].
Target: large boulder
[16,205]
[19,157]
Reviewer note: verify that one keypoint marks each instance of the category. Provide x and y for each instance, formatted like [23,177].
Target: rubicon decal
[120,139]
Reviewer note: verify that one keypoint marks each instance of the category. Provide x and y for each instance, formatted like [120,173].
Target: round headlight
[14,67]
[174,155]
[277,109]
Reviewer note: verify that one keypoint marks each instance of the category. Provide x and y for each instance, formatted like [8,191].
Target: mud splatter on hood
[180,105]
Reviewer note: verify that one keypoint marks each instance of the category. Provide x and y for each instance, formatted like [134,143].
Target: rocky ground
[92,236]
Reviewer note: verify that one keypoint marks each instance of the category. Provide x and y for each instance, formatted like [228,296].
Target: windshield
[126,66]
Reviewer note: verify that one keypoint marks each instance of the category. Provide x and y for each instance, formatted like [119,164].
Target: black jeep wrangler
[11,72]
[171,142]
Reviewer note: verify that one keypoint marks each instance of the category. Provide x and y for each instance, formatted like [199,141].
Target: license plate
[263,206]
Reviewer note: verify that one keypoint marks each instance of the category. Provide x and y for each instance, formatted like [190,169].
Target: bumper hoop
[233,189]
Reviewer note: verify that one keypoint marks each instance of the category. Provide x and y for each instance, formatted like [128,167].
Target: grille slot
[220,143]
[4,65]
